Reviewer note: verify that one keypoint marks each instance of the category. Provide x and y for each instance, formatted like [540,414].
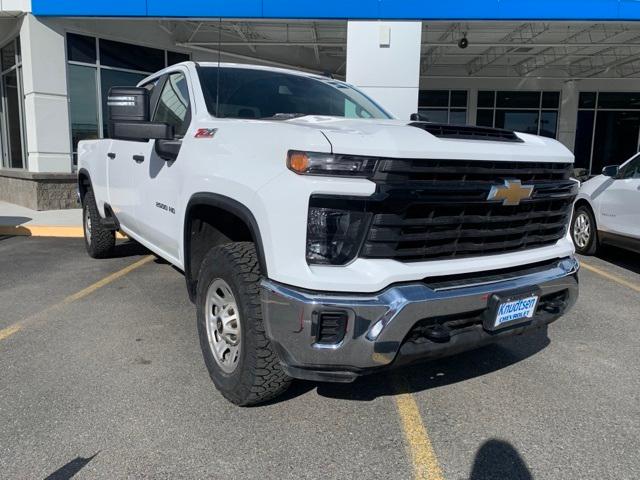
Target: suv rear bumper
[395,326]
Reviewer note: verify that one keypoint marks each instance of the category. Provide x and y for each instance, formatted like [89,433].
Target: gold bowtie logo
[511,193]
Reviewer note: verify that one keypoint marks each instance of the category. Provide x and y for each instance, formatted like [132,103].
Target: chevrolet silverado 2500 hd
[320,238]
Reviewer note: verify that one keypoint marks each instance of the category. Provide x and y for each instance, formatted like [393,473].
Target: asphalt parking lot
[101,376]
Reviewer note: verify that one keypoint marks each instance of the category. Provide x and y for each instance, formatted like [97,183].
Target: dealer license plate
[511,312]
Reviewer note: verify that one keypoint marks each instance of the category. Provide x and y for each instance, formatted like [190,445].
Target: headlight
[334,235]
[310,163]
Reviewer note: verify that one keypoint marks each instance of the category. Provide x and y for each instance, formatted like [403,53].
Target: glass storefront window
[12,132]
[608,129]
[443,106]
[83,107]
[96,65]
[528,112]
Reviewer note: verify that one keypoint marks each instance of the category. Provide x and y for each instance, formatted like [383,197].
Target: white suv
[607,209]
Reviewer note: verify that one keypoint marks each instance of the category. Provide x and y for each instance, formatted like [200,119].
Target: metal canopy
[495,49]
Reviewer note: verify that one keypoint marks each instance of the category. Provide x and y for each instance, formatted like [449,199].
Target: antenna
[218,73]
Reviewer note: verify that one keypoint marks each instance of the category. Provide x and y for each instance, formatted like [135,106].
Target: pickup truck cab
[607,209]
[321,238]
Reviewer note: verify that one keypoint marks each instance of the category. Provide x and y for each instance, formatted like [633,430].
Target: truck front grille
[438,209]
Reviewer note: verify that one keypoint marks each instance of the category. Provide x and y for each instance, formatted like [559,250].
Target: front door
[620,202]
[157,211]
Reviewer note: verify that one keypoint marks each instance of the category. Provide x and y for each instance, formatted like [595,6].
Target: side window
[173,105]
[631,169]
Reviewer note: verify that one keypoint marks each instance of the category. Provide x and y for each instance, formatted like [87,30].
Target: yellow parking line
[423,458]
[7,332]
[16,327]
[46,231]
[611,276]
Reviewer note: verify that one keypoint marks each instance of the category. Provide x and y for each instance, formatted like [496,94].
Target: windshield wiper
[284,116]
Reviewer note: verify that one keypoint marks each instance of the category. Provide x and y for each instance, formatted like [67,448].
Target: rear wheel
[235,347]
[584,231]
[98,240]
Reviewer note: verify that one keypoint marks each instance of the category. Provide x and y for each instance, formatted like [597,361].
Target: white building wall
[46,111]
[383,59]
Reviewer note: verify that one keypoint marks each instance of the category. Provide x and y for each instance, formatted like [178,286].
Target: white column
[567,123]
[46,110]
[383,60]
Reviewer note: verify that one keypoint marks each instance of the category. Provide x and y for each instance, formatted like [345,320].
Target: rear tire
[584,231]
[98,240]
[239,356]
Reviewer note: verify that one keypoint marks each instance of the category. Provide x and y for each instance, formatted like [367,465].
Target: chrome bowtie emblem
[511,193]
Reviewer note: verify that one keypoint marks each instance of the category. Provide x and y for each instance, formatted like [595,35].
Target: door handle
[111,155]
[138,158]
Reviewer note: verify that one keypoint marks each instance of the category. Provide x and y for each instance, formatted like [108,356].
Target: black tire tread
[266,379]
[102,239]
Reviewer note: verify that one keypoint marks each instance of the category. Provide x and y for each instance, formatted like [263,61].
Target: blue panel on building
[346,9]
[208,8]
[560,10]
[321,9]
[99,8]
[439,9]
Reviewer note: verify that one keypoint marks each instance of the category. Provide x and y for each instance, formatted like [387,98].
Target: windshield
[247,93]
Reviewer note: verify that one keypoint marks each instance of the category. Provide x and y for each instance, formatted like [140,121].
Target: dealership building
[567,69]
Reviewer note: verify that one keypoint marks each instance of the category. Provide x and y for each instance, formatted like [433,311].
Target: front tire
[238,355]
[98,240]
[584,231]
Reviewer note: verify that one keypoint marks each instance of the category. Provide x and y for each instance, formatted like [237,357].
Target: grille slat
[430,209]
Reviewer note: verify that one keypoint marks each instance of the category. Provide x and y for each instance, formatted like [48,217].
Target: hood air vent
[465,132]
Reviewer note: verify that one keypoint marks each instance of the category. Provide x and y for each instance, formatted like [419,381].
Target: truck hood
[398,139]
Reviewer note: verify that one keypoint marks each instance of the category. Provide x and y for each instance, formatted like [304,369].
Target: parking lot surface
[101,376]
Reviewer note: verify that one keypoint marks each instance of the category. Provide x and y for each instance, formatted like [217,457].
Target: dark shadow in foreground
[498,460]
[128,248]
[436,373]
[620,257]
[70,469]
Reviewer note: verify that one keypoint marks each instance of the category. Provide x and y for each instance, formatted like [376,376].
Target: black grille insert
[436,209]
[332,327]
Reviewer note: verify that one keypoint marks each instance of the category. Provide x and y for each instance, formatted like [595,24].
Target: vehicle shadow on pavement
[438,373]
[497,460]
[620,257]
[129,248]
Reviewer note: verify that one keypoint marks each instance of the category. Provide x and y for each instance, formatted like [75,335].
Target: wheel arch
[212,219]
[84,182]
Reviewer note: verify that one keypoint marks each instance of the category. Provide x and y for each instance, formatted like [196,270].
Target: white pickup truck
[321,238]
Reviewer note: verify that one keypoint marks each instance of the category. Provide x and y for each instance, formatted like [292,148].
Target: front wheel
[236,350]
[584,232]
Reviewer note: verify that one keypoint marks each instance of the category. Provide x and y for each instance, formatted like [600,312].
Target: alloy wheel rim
[87,225]
[223,325]
[582,230]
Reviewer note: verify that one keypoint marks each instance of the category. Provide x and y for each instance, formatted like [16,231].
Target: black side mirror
[611,171]
[129,116]
[415,117]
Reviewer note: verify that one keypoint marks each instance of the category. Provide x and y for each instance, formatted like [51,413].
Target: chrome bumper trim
[378,323]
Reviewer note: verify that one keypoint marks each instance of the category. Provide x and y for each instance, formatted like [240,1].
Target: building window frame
[539,109]
[450,107]
[99,68]
[596,108]
[5,154]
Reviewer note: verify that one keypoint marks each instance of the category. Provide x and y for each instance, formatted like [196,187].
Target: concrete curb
[46,231]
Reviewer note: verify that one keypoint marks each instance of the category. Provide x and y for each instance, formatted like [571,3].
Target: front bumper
[388,328]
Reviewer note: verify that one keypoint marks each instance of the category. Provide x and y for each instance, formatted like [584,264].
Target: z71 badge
[205,132]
